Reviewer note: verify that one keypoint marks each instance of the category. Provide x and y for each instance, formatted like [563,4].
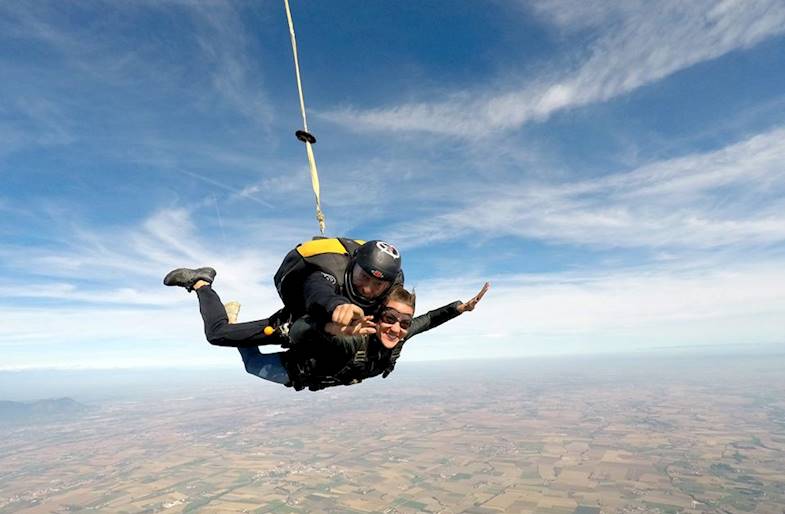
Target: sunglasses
[391,316]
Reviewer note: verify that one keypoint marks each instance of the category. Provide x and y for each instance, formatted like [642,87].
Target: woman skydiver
[344,355]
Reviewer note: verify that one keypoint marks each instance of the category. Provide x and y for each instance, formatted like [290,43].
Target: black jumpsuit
[321,296]
[316,355]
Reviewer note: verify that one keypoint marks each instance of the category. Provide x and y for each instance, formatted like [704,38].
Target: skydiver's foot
[189,278]
[232,311]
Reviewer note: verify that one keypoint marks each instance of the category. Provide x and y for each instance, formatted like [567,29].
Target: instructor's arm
[324,303]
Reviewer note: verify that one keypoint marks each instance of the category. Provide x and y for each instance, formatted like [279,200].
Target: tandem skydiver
[331,280]
[324,356]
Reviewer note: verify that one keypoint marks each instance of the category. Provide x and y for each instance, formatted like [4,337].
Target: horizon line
[721,349]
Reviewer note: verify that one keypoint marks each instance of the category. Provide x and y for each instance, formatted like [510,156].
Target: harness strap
[304,135]
[396,352]
[351,373]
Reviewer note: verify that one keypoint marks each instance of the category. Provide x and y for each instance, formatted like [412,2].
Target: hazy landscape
[686,433]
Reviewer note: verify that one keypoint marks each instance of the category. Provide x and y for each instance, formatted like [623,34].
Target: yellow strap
[308,148]
[322,246]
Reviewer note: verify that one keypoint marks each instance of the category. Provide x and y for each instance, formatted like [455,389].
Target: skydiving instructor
[336,280]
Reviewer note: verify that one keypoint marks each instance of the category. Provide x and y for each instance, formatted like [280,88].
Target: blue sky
[615,169]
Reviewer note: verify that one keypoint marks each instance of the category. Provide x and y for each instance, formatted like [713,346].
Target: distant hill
[50,409]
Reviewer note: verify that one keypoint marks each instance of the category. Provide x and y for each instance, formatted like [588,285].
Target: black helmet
[380,260]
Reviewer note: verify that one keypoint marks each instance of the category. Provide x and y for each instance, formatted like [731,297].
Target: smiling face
[388,325]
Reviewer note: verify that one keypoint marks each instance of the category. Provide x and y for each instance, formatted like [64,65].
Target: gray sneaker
[186,277]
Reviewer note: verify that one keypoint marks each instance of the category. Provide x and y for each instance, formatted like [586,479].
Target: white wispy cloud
[103,52]
[83,337]
[703,303]
[220,74]
[632,44]
[98,289]
[235,68]
[33,121]
[707,301]
[126,264]
[68,292]
[732,196]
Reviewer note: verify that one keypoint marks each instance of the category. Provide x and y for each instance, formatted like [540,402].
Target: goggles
[390,316]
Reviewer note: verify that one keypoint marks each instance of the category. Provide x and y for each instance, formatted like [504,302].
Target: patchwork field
[579,437]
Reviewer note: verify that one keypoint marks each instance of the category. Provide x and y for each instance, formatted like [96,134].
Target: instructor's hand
[365,326]
[346,313]
[471,304]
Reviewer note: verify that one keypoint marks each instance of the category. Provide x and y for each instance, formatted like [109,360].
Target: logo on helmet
[388,249]
[376,273]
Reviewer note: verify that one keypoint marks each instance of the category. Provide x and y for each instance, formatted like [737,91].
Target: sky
[616,169]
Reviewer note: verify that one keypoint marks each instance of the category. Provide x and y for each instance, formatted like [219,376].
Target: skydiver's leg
[267,366]
[220,332]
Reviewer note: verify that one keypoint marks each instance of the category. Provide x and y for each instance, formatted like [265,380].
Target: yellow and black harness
[328,255]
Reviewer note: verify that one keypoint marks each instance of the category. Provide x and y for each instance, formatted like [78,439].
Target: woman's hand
[471,304]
